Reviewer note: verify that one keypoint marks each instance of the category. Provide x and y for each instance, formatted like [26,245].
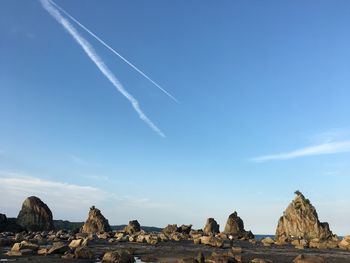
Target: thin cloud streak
[114,51]
[89,50]
[325,148]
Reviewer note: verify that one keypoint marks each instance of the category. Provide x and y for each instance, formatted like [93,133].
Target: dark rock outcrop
[235,227]
[35,215]
[211,227]
[9,224]
[300,220]
[96,222]
[133,227]
[184,229]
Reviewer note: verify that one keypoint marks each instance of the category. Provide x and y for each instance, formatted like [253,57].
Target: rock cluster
[95,222]
[35,215]
[300,220]
[173,232]
[133,227]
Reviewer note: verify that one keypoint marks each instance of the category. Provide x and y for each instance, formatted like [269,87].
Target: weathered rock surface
[173,232]
[211,241]
[58,248]
[308,259]
[211,227]
[35,215]
[133,227]
[118,256]
[170,229]
[345,243]
[235,227]
[267,241]
[96,222]
[84,253]
[300,220]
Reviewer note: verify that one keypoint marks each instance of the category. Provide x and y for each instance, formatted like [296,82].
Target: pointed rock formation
[35,215]
[211,227]
[235,227]
[300,220]
[96,222]
[133,227]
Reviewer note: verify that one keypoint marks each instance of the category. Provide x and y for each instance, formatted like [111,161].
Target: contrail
[89,50]
[113,51]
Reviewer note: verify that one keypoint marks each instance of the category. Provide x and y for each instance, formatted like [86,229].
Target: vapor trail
[113,51]
[89,50]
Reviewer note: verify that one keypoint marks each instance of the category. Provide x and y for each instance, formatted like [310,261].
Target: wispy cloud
[114,51]
[320,149]
[66,200]
[16,187]
[89,50]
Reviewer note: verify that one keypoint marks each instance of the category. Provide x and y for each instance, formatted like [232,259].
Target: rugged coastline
[300,237]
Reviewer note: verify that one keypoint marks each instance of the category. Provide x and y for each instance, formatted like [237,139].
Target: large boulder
[133,227]
[95,222]
[35,215]
[300,220]
[211,227]
[235,227]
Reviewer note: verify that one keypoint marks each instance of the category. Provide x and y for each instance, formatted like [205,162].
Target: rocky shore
[300,237]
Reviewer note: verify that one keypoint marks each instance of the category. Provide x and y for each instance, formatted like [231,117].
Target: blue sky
[263,90]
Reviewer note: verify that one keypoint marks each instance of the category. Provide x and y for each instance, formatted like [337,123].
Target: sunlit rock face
[35,215]
[300,220]
[96,222]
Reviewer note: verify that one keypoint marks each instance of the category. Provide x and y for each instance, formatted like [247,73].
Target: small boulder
[75,243]
[267,241]
[118,256]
